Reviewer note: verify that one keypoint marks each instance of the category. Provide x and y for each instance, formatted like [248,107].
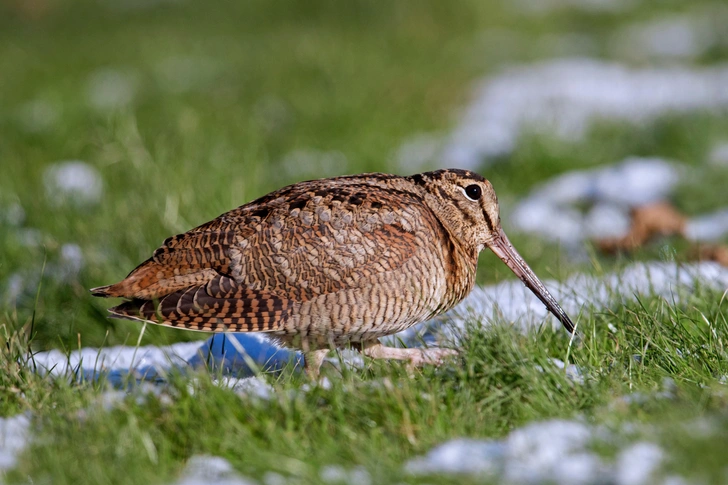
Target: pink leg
[416,357]
[312,361]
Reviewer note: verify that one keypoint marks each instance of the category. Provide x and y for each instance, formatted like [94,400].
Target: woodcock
[330,263]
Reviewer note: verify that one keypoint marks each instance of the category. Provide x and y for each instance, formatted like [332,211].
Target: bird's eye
[473,192]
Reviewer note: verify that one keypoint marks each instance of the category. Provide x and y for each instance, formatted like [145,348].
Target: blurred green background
[187,109]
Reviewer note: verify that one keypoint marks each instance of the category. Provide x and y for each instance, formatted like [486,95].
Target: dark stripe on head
[488,221]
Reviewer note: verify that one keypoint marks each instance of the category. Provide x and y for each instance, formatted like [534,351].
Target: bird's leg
[312,360]
[416,357]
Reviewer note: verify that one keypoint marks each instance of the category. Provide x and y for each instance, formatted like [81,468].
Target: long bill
[503,248]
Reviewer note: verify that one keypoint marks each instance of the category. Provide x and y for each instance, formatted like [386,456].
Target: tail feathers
[104,291]
[218,306]
[153,280]
[185,260]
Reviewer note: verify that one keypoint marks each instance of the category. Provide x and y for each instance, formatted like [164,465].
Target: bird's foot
[434,356]
[416,357]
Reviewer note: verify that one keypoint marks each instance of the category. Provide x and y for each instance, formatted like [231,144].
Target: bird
[330,263]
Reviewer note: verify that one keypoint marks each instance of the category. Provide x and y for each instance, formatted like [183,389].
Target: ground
[126,122]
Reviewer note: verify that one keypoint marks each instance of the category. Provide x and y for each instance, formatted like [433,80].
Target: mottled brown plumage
[328,263]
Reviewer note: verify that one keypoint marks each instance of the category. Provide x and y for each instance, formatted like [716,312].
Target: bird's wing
[246,268]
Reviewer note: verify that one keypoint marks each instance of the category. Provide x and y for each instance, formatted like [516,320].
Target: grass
[379,417]
[218,99]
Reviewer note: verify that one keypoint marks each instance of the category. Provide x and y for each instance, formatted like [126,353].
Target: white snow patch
[605,220]
[14,436]
[549,209]
[638,464]
[551,451]
[255,386]
[556,451]
[89,361]
[709,227]
[554,222]
[73,181]
[337,474]
[563,96]
[510,301]
[572,371]
[636,181]
[466,456]
[210,470]
[273,478]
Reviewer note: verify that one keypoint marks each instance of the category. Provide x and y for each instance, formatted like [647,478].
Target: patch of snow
[556,451]
[210,470]
[144,362]
[108,89]
[709,227]
[606,220]
[548,210]
[572,371]
[14,436]
[510,301]
[255,386]
[551,451]
[273,478]
[338,474]
[549,220]
[636,181]
[466,456]
[563,96]
[638,464]
[73,181]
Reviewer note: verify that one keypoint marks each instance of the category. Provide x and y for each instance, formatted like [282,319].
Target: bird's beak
[503,248]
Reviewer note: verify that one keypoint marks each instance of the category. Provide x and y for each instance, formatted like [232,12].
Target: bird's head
[467,207]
